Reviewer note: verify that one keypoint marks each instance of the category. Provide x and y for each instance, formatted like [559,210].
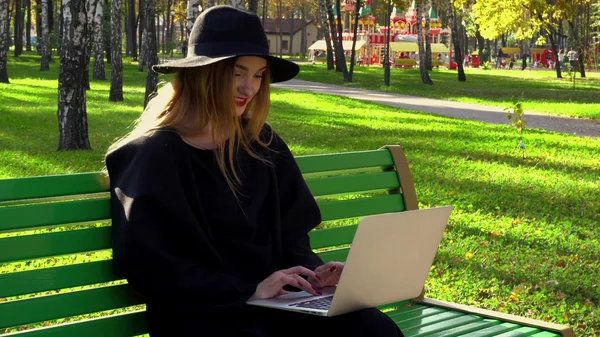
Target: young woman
[209,208]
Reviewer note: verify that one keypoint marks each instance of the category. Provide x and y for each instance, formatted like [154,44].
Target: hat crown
[225,30]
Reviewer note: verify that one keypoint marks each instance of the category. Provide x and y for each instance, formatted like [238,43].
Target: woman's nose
[245,88]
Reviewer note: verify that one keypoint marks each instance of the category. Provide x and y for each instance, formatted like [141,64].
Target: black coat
[184,242]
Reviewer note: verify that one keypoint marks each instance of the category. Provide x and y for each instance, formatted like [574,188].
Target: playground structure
[371,42]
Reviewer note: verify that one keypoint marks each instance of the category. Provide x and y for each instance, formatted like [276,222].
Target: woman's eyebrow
[246,69]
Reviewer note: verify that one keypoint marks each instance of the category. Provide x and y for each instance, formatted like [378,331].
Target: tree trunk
[141,23]
[91,11]
[192,14]
[428,61]
[303,45]
[253,5]
[28,26]
[72,115]
[18,26]
[45,62]
[554,51]
[354,33]
[458,56]
[116,73]
[98,26]
[4,41]
[458,52]
[420,40]
[291,43]
[106,31]
[480,40]
[132,28]
[336,39]
[143,52]
[327,36]
[151,50]
[38,26]
[238,4]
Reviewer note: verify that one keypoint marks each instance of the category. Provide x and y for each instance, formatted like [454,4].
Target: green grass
[523,235]
[541,91]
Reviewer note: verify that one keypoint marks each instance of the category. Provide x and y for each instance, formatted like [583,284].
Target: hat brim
[281,70]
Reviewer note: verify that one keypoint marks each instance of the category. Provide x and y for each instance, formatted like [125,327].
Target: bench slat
[401,316]
[545,334]
[67,304]
[46,279]
[520,332]
[353,183]
[425,330]
[352,208]
[465,329]
[51,186]
[493,330]
[328,237]
[422,321]
[54,244]
[334,255]
[344,161]
[50,214]
[121,325]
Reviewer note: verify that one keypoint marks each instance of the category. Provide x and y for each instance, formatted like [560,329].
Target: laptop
[389,260]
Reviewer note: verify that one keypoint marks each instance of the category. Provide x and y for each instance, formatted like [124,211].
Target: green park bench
[55,268]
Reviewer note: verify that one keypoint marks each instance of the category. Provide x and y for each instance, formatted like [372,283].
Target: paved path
[489,114]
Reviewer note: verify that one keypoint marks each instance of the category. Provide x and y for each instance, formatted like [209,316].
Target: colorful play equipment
[374,37]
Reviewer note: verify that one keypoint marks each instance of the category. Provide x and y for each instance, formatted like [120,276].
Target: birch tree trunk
[238,4]
[98,25]
[116,73]
[327,36]
[72,115]
[422,57]
[143,51]
[151,50]
[91,11]
[4,41]
[192,14]
[45,63]
[132,28]
[428,62]
[455,41]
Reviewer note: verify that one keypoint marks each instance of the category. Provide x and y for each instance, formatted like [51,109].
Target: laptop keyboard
[322,303]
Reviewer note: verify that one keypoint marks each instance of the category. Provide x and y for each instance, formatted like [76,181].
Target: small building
[289,42]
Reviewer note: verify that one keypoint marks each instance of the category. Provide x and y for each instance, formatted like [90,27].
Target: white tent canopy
[320,45]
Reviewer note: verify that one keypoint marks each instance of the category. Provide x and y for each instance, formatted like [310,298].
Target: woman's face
[247,77]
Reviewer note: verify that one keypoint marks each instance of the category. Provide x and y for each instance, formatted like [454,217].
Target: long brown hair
[202,96]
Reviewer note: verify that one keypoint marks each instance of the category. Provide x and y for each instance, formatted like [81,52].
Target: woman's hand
[273,285]
[327,275]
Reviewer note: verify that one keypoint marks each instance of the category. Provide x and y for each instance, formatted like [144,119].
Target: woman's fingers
[299,282]
[300,271]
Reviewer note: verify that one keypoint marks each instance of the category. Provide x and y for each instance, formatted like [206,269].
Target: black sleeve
[158,244]
[299,210]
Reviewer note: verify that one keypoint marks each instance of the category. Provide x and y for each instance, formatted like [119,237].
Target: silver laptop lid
[390,258]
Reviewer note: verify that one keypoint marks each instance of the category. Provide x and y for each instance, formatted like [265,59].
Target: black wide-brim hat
[224,32]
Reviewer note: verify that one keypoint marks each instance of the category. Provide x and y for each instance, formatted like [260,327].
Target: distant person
[499,58]
[524,60]
[572,55]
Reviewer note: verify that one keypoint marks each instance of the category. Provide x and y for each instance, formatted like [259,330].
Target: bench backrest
[55,240]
